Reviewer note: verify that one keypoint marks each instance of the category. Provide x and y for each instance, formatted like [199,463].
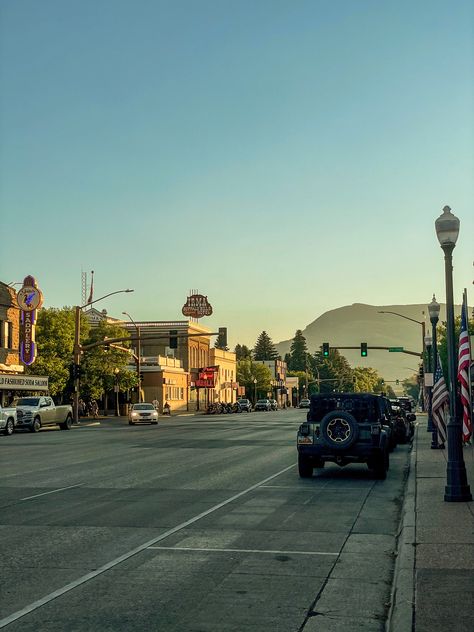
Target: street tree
[104,367]
[365,379]
[443,342]
[248,371]
[242,352]
[264,348]
[333,372]
[55,342]
[298,357]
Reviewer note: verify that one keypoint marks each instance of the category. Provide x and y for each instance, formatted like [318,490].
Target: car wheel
[9,427]
[305,467]
[36,425]
[67,425]
[339,430]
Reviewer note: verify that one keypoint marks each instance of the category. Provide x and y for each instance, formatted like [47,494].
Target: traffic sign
[395,348]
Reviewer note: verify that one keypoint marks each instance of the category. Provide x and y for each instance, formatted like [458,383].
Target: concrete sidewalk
[434,576]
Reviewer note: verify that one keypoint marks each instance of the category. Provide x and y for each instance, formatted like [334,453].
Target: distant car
[273,404]
[142,413]
[304,403]
[263,404]
[245,405]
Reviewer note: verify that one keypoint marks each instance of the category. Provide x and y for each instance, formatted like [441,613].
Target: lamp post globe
[457,488]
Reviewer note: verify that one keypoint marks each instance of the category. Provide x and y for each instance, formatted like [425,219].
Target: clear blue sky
[283,157]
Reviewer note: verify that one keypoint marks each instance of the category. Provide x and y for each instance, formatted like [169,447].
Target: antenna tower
[83,287]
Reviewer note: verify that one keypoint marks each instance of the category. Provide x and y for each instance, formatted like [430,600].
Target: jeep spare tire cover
[339,429]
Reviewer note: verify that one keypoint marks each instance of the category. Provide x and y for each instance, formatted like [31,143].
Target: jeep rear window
[361,409]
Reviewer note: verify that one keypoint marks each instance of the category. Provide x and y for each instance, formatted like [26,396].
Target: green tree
[412,387]
[441,331]
[242,352]
[366,380]
[55,342]
[103,368]
[264,348]
[248,371]
[298,357]
[334,372]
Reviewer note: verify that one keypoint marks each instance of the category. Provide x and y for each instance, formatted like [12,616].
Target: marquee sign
[30,299]
[197,306]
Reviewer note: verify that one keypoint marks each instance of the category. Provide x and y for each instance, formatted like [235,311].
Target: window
[2,333]
[10,335]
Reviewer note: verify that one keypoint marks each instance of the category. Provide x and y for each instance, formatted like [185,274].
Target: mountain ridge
[349,325]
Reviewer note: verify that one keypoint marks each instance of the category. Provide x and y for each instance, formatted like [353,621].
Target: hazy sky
[283,157]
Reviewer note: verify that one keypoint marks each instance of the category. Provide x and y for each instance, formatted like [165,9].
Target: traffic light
[76,371]
[173,339]
[223,336]
[397,381]
[363,349]
[141,377]
[325,349]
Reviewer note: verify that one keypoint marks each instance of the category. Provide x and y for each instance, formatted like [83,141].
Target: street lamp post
[77,351]
[255,390]
[420,322]
[428,344]
[138,355]
[116,389]
[457,488]
[433,309]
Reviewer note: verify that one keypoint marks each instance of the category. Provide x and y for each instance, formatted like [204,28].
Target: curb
[400,616]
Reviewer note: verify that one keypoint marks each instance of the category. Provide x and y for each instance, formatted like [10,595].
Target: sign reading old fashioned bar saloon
[29,300]
[196,306]
[9,382]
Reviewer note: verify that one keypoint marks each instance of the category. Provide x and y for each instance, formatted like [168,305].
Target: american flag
[440,402]
[463,375]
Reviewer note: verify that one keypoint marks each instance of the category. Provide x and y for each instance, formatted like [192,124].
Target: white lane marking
[122,558]
[53,491]
[186,548]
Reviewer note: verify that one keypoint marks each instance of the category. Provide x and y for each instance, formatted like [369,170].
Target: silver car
[142,413]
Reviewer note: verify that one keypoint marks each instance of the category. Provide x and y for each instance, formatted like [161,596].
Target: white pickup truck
[36,412]
[7,420]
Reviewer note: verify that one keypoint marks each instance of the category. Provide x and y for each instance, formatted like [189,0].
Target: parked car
[142,413]
[304,403]
[344,428]
[245,404]
[36,412]
[403,421]
[263,404]
[273,404]
[7,420]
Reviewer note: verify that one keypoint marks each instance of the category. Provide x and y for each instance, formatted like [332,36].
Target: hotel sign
[9,382]
[197,306]
[29,300]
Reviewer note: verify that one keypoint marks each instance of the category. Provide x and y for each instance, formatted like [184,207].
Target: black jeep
[345,428]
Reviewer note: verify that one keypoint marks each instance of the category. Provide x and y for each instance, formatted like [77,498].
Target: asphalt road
[194,525]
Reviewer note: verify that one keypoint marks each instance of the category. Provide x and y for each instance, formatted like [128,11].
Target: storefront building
[9,341]
[225,389]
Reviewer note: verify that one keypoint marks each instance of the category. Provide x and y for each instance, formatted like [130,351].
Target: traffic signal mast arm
[135,338]
[415,353]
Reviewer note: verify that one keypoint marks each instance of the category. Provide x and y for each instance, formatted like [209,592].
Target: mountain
[352,324]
